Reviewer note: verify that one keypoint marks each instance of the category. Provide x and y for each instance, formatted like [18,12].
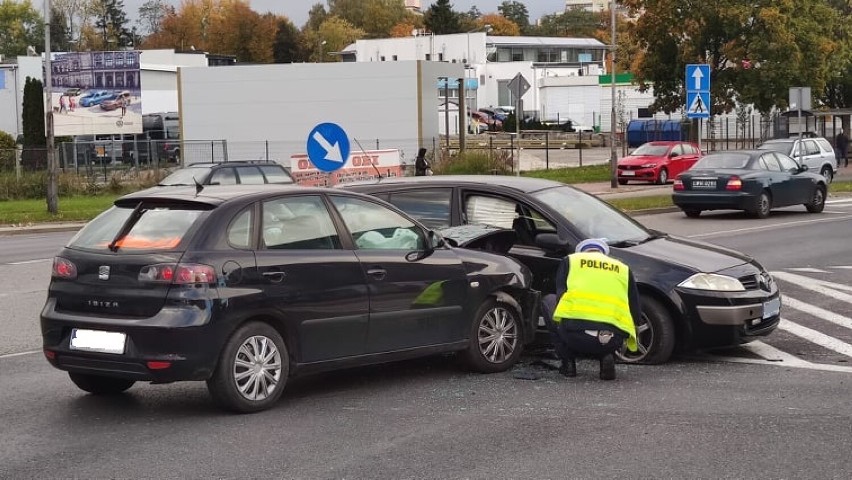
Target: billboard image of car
[96,93]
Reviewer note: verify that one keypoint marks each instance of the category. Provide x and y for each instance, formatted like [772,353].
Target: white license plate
[771,308]
[98,341]
[628,173]
[704,184]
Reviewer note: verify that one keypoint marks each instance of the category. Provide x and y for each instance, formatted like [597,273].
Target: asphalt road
[777,409]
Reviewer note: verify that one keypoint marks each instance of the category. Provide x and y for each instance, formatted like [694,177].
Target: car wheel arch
[682,328]
[508,296]
[274,321]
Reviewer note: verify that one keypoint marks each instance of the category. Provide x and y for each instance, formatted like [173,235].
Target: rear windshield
[154,228]
[723,160]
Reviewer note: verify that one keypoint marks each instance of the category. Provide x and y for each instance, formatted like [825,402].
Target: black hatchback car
[694,295]
[755,181]
[244,288]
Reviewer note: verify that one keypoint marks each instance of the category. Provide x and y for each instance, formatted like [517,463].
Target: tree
[151,16]
[500,25]
[73,10]
[516,12]
[441,19]
[288,43]
[316,15]
[111,22]
[375,17]
[336,33]
[236,29]
[20,26]
[575,23]
[784,42]
[60,36]
[32,114]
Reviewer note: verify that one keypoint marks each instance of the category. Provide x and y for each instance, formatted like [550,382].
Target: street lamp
[321,44]
[52,186]
[613,158]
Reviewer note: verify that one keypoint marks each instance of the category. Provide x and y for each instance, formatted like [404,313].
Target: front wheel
[663,177]
[817,203]
[495,338]
[655,335]
[252,370]
[100,385]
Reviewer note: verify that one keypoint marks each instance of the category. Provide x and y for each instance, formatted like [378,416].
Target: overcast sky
[297,10]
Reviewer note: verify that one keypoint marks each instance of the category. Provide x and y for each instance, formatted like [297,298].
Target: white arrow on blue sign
[328,147]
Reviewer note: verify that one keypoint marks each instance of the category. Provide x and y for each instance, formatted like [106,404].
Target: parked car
[95,97]
[244,288]
[228,173]
[567,124]
[694,295]
[656,162]
[116,101]
[815,152]
[495,113]
[485,119]
[755,181]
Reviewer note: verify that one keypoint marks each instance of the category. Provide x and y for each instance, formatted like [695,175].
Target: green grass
[585,174]
[641,203]
[71,209]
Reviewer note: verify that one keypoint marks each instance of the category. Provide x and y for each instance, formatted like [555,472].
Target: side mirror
[673,155]
[551,243]
[803,168]
[434,240]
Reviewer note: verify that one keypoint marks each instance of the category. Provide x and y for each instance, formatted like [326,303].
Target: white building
[590,5]
[491,62]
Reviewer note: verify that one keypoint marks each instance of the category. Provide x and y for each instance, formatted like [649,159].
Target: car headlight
[649,165]
[712,281]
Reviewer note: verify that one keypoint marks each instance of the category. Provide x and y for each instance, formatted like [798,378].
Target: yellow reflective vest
[597,291]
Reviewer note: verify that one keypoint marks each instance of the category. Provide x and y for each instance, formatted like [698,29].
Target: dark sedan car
[755,181]
[228,173]
[694,295]
[244,288]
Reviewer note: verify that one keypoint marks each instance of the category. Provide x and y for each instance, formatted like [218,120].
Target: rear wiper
[125,229]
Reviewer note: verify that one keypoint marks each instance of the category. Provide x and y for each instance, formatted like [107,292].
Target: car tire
[655,335]
[663,177]
[496,337]
[252,370]
[762,205]
[817,203]
[692,212]
[622,182]
[828,173]
[99,384]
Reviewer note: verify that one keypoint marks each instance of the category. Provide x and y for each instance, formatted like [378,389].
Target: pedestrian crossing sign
[698,104]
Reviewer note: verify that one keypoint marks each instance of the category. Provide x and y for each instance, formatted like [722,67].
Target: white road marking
[25,262]
[828,289]
[816,337]
[774,357]
[817,312]
[839,200]
[772,354]
[768,227]
[10,355]
[808,270]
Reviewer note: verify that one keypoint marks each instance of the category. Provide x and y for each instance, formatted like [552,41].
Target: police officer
[593,310]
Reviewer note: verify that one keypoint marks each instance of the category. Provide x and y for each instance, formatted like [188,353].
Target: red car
[657,162]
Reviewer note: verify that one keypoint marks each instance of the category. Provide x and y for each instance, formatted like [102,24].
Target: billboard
[362,165]
[96,93]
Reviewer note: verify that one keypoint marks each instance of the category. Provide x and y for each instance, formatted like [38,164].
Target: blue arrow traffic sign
[328,147]
[698,104]
[698,78]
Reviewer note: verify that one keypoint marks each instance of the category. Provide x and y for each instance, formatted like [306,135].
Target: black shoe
[608,367]
[568,368]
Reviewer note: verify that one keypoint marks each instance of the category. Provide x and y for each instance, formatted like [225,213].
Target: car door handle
[377,273]
[275,277]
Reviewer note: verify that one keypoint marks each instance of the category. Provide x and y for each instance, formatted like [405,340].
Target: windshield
[592,218]
[722,160]
[781,147]
[186,176]
[649,150]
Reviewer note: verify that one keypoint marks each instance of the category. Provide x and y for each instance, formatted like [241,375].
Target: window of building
[517,55]
[428,57]
[382,58]
[394,58]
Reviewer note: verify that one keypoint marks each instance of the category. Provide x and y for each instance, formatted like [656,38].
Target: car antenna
[378,172]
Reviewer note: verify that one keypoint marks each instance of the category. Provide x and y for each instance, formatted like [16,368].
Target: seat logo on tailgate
[103,272]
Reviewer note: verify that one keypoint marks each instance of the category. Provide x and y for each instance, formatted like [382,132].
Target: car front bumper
[644,174]
[731,318]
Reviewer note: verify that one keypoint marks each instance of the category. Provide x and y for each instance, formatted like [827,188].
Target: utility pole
[613,158]
[52,187]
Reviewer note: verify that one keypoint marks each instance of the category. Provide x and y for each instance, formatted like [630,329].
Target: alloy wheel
[644,340]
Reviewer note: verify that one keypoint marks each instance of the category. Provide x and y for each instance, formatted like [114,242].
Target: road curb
[40,228]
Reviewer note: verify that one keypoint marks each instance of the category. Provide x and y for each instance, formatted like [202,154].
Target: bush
[476,163]
[7,152]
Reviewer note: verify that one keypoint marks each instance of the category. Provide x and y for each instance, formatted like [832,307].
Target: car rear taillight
[734,183]
[178,273]
[64,268]
[678,184]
